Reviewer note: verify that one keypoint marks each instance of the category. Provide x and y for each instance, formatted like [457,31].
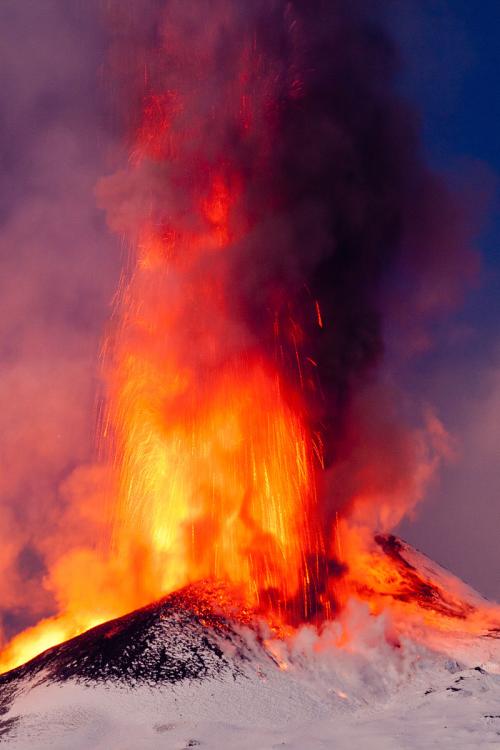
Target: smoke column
[281,208]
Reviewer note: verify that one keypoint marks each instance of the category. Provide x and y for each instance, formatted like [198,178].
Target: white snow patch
[314,695]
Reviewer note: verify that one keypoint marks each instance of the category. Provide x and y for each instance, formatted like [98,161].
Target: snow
[164,677]
[308,695]
[258,714]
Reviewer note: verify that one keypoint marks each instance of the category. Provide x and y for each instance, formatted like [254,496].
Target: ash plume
[339,225]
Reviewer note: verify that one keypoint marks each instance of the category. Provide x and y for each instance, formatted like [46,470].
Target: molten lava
[216,467]
[216,462]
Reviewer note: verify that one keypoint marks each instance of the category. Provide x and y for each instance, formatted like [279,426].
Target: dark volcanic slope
[186,636]
[176,638]
[417,586]
[210,683]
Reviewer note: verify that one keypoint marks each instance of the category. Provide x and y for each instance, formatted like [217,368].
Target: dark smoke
[297,102]
[358,202]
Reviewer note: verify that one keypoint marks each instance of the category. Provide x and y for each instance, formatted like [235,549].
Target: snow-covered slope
[178,674]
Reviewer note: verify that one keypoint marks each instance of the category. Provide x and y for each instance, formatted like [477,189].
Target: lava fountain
[217,462]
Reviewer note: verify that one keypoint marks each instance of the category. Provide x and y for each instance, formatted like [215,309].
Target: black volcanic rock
[195,633]
[184,671]
[417,587]
[176,638]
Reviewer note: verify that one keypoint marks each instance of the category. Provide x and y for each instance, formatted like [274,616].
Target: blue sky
[451,55]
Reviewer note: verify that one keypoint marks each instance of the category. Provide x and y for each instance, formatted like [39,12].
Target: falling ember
[318,314]
[273,185]
[216,465]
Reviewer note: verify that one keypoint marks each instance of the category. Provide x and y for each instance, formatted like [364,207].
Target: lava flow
[274,203]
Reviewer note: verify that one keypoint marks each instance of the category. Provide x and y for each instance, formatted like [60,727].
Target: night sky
[59,266]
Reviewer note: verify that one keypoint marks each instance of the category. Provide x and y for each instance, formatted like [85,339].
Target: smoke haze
[58,271]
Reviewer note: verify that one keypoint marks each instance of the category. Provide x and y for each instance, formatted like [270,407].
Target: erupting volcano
[279,219]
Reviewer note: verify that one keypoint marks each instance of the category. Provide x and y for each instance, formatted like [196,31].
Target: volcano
[288,251]
[197,669]
[280,219]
